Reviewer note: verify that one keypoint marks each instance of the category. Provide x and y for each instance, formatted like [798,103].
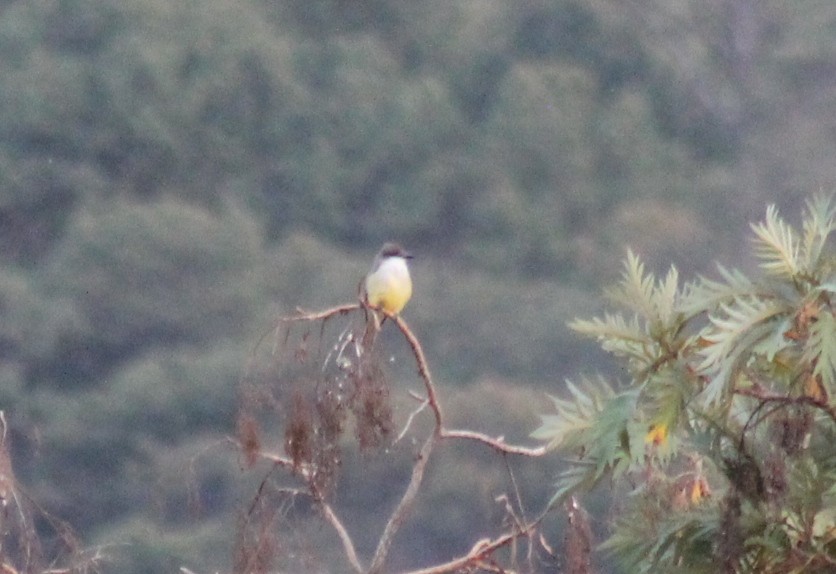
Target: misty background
[174,176]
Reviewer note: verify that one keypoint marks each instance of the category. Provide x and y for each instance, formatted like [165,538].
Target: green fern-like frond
[733,331]
[574,416]
[651,331]
[604,447]
[610,445]
[652,300]
[713,405]
[596,422]
[774,343]
[667,296]
[730,326]
[664,400]
[819,222]
[821,349]
[616,334]
[706,295]
[676,543]
[635,291]
[610,327]
[776,245]
[579,475]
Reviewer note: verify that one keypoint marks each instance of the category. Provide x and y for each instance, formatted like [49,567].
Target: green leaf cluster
[725,418]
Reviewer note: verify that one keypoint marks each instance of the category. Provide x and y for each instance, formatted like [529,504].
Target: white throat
[393,266]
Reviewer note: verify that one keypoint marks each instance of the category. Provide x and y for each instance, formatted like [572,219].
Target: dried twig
[483,549]
[302,315]
[423,368]
[479,552]
[497,444]
[409,420]
[345,538]
[399,514]
[769,397]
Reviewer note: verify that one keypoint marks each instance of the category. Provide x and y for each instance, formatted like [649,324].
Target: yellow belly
[390,293]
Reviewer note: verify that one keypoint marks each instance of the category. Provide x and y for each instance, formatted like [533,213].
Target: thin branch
[423,367]
[521,519]
[766,396]
[305,473]
[83,564]
[302,315]
[409,420]
[496,444]
[755,419]
[416,396]
[278,459]
[517,521]
[345,538]
[399,515]
[480,551]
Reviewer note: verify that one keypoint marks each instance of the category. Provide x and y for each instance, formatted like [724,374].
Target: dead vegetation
[316,393]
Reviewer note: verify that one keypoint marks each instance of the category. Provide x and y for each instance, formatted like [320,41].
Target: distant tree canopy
[519,127]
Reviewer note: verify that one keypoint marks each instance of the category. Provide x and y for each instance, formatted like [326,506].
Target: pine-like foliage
[720,437]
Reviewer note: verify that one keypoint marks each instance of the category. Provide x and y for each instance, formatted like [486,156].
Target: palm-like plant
[725,422]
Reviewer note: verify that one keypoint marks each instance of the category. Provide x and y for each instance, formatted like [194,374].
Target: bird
[388,286]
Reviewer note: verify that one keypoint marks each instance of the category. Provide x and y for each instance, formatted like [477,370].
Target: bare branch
[768,397]
[496,444]
[409,420]
[399,515]
[521,519]
[481,552]
[482,549]
[345,538]
[304,471]
[302,315]
[274,458]
[423,367]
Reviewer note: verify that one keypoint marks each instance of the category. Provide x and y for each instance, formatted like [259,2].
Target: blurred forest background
[175,175]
